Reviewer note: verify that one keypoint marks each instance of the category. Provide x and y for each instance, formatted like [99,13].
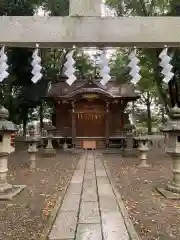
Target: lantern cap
[173,124]
[5,125]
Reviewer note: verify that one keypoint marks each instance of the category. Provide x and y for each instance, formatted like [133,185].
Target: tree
[16,91]
[152,8]
[146,86]
[56,7]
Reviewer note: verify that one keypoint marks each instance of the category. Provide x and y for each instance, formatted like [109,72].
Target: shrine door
[90,125]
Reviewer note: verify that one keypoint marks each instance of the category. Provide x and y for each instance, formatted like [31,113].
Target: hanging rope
[135,69]
[37,75]
[165,64]
[104,68]
[3,65]
[70,70]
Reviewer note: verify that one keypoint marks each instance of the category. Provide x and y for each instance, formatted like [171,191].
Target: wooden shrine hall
[89,115]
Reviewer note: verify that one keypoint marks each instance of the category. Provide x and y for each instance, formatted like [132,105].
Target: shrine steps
[90,143]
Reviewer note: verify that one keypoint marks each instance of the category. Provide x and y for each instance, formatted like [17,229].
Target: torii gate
[86,27]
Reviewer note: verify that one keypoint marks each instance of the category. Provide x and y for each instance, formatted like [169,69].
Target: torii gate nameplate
[90,30]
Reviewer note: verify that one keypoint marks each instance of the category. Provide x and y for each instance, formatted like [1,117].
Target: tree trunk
[24,125]
[41,117]
[149,117]
[163,119]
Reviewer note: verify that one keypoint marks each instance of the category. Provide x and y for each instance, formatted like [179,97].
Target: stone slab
[89,232]
[89,176]
[101,173]
[10,193]
[74,188]
[89,183]
[167,194]
[113,226]
[105,190]
[89,195]
[77,176]
[108,204]
[71,203]
[24,31]
[102,180]
[81,165]
[90,172]
[89,212]
[115,233]
[64,226]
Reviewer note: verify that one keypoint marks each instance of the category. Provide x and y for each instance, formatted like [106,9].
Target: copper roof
[111,90]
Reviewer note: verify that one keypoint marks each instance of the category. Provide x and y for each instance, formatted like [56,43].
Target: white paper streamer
[135,69]
[3,65]
[104,68]
[165,64]
[36,64]
[70,70]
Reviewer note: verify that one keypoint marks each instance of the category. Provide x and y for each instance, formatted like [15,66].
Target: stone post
[172,190]
[49,151]
[128,150]
[32,149]
[7,191]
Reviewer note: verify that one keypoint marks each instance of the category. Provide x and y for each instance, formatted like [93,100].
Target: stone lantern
[7,128]
[49,150]
[172,190]
[143,148]
[33,139]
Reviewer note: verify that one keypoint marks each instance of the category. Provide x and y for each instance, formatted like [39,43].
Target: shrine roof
[111,90]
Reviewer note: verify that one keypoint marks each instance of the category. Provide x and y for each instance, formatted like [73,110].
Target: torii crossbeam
[86,27]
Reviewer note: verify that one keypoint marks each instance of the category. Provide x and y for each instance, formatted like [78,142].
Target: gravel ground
[25,217]
[153,216]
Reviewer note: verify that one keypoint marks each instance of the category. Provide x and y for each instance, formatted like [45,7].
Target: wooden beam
[90,31]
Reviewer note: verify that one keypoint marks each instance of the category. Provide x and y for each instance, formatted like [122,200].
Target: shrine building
[88,114]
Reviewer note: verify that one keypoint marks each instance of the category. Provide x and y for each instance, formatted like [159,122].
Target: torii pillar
[82,8]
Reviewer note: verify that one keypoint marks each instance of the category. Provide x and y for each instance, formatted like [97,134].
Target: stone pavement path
[89,210]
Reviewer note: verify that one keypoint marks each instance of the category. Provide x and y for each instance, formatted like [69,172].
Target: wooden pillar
[107,124]
[122,107]
[73,126]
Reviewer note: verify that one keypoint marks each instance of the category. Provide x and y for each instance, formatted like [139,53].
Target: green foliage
[151,8]
[141,7]
[56,7]
[118,65]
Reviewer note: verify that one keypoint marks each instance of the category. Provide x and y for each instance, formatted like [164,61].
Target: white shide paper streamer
[135,69]
[104,68]
[70,70]
[3,65]
[36,64]
[165,64]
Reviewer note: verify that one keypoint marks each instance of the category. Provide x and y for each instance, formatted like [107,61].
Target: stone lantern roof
[5,125]
[173,125]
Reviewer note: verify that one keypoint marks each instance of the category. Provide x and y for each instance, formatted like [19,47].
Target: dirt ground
[27,214]
[153,216]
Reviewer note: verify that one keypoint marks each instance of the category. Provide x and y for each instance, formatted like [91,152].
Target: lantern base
[11,192]
[49,152]
[144,164]
[165,192]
